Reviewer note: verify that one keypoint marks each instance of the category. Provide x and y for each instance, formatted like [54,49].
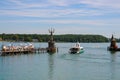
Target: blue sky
[66,16]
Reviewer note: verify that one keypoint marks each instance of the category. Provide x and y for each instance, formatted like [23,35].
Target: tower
[51,43]
[113,43]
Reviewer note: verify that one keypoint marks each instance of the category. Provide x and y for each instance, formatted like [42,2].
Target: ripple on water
[88,58]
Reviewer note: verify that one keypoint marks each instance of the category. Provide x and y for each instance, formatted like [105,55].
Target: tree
[28,39]
[15,37]
[0,39]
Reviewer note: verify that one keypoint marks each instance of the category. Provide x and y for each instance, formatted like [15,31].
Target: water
[96,63]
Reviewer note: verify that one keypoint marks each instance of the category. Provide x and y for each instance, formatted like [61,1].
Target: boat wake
[90,59]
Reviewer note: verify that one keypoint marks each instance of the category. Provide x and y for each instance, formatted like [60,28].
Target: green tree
[28,39]
[15,37]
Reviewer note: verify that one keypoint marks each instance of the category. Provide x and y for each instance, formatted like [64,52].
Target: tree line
[57,38]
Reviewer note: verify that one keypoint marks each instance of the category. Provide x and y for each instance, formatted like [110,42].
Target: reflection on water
[113,56]
[51,66]
[112,65]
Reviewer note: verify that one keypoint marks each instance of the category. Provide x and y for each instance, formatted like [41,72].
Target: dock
[21,49]
[13,49]
[25,51]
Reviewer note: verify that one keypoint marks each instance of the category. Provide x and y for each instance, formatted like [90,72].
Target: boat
[76,49]
[113,46]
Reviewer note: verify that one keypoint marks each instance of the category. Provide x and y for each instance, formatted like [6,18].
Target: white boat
[76,49]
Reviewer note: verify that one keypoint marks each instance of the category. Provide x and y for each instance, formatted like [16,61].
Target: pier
[25,51]
[20,49]
[29,48]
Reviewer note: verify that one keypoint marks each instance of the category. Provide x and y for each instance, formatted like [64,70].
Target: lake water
[96,63]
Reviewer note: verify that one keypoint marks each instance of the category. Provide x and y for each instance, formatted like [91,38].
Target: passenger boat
[76,49]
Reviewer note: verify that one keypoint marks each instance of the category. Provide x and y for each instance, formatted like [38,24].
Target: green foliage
[57,38]
[0,39]
[28,39]
[81,38]
[15,37]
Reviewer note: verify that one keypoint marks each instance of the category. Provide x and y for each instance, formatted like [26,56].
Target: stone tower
[113,43]
[51,42]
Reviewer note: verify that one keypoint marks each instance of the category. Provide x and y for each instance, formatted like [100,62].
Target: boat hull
[76,51]
[113,49]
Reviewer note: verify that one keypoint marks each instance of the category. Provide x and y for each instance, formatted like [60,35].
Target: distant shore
[57,38]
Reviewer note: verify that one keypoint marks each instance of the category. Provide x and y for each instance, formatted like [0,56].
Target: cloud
[61,8]
[21,4]
[67,3]
[90,3]
[17,2]
[58,3]
[50,13]
[65,22]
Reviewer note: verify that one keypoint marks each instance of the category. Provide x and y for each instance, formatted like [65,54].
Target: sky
[100,17]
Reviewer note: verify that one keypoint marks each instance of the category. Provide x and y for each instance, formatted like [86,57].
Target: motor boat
[76,49]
